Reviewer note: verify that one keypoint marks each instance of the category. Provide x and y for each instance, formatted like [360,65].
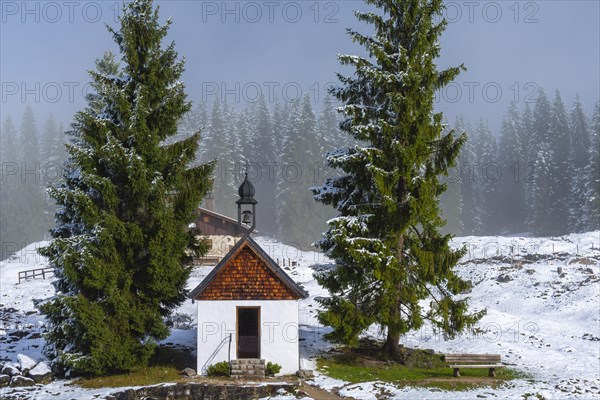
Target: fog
[286,48]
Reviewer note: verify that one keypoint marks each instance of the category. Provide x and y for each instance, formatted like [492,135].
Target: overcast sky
[234,49]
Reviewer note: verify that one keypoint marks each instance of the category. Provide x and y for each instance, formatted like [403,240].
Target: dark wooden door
[248,332]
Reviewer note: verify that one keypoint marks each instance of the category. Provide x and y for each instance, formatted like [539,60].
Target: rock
[588,271]
[4,380]
[188,372]
[19,380]
[504,278]
[10,370]
[41,373]
[26,363]
[305,373]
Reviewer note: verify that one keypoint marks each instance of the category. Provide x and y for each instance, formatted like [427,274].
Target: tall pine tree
[487,177]
[13,235]
[468,177]
[538,145]
[579,153]
[592,173]
[266,163]
[512,158]
[559,167]
[119,242]
[386,241]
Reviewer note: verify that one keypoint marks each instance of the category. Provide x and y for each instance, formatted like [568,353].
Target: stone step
[246,361]
[247,368]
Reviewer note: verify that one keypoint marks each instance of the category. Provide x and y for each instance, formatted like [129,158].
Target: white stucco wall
[278,331]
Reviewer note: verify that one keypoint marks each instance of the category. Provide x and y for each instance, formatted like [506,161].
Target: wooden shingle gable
[247,273]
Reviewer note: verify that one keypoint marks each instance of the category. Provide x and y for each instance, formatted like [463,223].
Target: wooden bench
[458,361]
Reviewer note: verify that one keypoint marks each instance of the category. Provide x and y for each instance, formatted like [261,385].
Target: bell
[246,217]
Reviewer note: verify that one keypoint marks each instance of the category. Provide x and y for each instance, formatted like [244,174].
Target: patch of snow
[543,323]
[26,362]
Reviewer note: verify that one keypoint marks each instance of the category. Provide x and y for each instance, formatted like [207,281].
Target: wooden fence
[38,273]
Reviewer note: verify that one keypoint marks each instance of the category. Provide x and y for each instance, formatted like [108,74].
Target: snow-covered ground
[543,323]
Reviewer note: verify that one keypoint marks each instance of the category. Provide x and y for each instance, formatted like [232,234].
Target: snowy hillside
[543,323]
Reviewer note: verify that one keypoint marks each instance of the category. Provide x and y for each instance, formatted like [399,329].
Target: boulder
[19,380]
[10,370]
[305,373]
[26,363]
[504,278]
[4,380]
[41,373]
[189,372]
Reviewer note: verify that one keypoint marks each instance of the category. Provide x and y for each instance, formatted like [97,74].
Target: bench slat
[478,366]
[479,358]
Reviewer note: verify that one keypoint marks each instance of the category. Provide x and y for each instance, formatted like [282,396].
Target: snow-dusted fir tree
[286,189]
[386,241]
[52,151]
[487,178]
[579,153]
[31,190]
[219,149]
[451,200]
[539,137]
[265,159]
[278,124]
[299,155]
[12,229]
[468,171]
[191,122]
[244,136]
[328,127]
[119,243]
[592,206]
[512,157]
[541,217]
[560,189]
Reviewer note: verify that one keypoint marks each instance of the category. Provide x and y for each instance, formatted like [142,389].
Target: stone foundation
[203,391]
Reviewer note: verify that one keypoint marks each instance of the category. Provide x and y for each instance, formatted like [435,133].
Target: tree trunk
[392,344]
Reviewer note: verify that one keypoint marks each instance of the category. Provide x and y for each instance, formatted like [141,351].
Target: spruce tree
[278,123]
[120,244]
[541,217]
[216,145]
[13,235]
[451,200]
[328,128]
[53,156]
[486,179]
[31,194]
[579,153]
[285,195]
[559,167]
[386,243]
[538,141]
[266,161]
[592,173]
[512,158]
[468,178]
[300,154]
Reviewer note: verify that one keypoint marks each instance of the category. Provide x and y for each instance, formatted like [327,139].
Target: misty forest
[537,174]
